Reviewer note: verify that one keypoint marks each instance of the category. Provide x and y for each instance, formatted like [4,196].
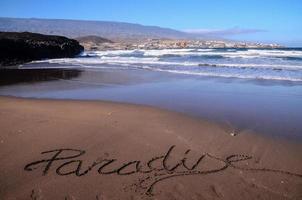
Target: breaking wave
[271,64]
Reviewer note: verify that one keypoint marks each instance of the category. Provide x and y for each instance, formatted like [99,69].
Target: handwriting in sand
[155,170]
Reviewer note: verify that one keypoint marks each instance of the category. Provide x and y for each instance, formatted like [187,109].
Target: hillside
[93,39]
[80,28]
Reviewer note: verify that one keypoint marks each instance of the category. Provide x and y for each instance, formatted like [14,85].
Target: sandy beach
[150,100]
[71,149]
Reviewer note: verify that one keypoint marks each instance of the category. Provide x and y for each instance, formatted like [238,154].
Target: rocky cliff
[17,48]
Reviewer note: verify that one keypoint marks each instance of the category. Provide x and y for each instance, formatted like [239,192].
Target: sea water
[268,64]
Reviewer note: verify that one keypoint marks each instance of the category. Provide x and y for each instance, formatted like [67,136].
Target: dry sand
[105,150]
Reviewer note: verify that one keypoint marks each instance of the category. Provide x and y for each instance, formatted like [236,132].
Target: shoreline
[267,107]
[226,128]
[131,133]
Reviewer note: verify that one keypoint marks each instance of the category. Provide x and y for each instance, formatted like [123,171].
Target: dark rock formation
[17,48]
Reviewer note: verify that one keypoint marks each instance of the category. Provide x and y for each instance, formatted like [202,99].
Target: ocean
[267,64]
[243,89]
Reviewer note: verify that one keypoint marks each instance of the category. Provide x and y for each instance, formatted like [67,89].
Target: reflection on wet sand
[272,109]
[14,76]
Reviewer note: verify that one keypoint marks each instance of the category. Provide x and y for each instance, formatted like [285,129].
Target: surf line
[158,168]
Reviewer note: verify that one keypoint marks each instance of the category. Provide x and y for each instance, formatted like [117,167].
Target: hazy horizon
[268,22]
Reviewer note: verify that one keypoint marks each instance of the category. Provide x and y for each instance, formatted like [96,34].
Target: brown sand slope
[101,150]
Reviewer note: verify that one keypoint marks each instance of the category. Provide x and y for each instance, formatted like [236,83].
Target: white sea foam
[251,63]
[225,75]
[114,60]
[260,66]
[157,61]
[250,53]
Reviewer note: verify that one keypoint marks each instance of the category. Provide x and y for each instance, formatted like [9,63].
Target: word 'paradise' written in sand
[155,170]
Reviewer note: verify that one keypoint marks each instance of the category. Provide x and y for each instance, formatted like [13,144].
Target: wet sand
[271,108]
[104,150]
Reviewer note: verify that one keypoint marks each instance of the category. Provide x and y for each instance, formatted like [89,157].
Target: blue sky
[256,20]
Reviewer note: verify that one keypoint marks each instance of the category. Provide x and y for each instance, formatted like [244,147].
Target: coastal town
[170,44]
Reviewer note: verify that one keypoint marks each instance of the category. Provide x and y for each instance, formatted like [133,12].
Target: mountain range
[80,28]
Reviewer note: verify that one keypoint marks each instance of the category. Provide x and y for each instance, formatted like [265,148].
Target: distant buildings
[174,44]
